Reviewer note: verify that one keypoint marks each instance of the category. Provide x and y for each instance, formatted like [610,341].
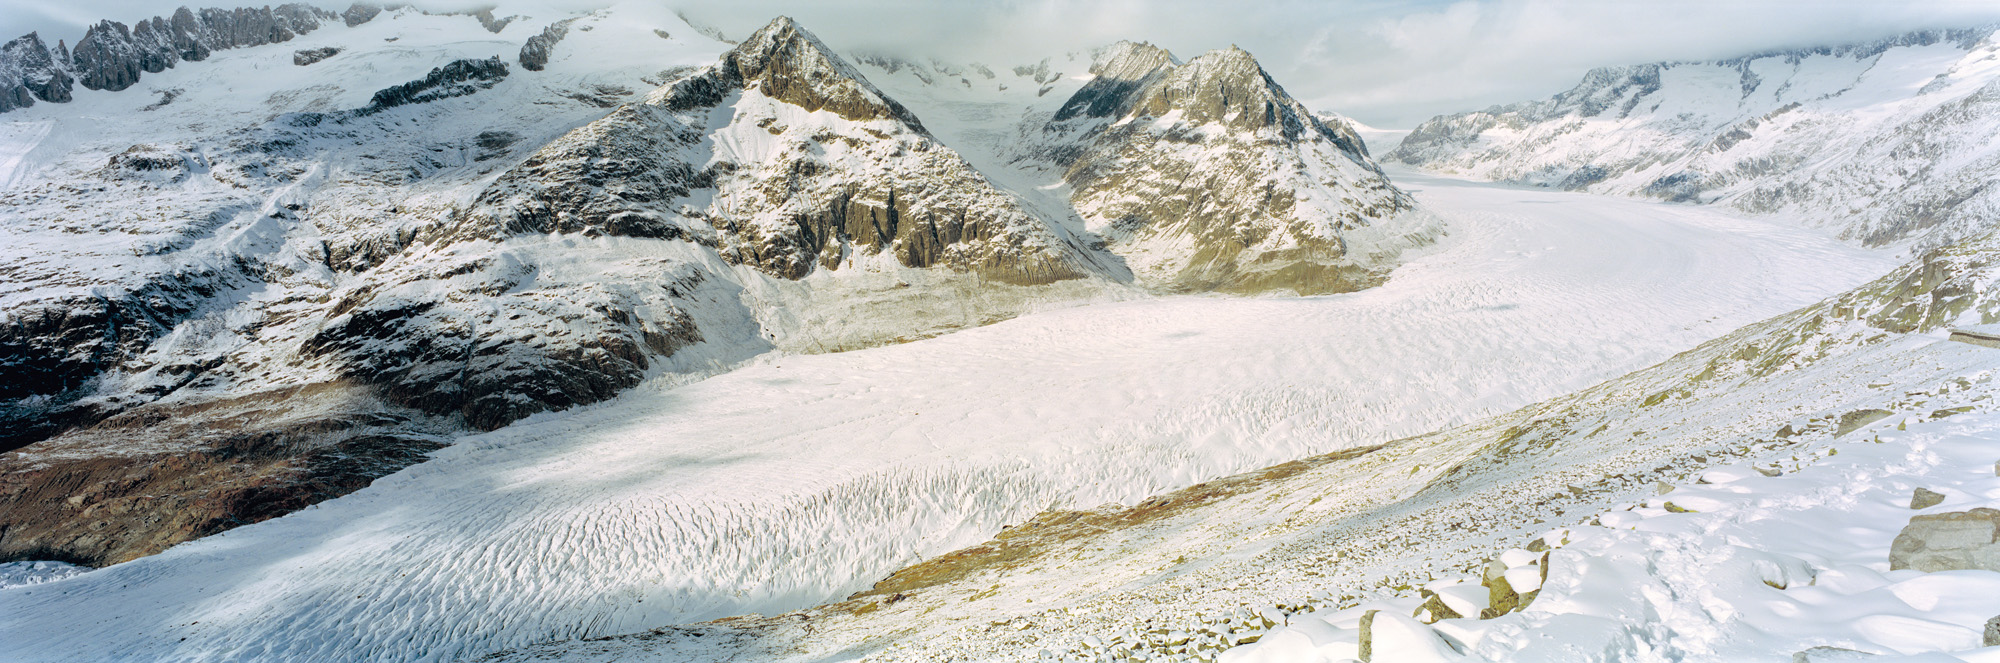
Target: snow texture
[679,503]
[1889,142]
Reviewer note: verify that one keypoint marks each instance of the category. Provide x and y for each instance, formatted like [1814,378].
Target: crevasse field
[794,480]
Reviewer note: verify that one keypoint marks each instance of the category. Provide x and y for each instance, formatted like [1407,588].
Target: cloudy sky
[1387,63]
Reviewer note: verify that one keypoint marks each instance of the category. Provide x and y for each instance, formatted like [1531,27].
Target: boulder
[306,56]
[1954,541]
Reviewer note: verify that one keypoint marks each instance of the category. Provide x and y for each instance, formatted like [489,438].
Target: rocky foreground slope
[239,293]
[1882,142]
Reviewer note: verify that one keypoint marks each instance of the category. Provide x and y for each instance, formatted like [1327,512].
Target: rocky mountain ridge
[1883,140]
[353,269]
[1151,146]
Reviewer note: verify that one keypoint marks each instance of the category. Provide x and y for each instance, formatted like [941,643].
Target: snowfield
[1732,566]
[795,480]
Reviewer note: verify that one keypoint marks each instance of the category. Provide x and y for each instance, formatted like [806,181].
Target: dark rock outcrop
[160,475]
[112,55]
[456,79]
[29,71]
[535,53]
[360,12]
[308,56]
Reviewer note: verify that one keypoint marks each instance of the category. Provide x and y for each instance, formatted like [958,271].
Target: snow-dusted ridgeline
[1884,142]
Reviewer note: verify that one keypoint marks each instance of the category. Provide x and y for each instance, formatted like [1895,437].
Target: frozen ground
[795,480]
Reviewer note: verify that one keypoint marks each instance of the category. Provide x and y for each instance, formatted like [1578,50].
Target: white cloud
[1390,63]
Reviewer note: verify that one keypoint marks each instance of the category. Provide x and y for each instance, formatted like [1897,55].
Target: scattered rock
[1992,635]
[1924,498]
[1955,541]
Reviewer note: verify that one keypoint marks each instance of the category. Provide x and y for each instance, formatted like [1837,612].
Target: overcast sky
[1386,63]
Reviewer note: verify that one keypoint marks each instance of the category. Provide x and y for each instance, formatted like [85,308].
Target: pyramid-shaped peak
[786,62]
[1121,71]
[1128,59]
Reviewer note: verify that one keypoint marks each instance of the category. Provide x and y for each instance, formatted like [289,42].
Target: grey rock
[1948,542]
[1991,636]
[359,13]
[915,199]
[535,53]
[29,71]
[106,57]
[1924,498]
[456,79]
[303,57]
[112,56]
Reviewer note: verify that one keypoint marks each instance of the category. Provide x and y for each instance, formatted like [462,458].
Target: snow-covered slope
[178,255]
[1199,176]
[1883,142]
[800,479]
[1207,175]
[1848,404]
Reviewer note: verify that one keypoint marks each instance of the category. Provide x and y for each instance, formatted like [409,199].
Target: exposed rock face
[359,13]
[308,56]
[816,168]
[456,79]
[1208,176]
[1770,132]
[1948,542]
[112,56]
[535,53]
[184,472]
[30,71]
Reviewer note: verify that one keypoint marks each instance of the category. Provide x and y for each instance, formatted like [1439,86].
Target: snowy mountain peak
[1207,175]
[790,64]
[30,71]
[1120,72]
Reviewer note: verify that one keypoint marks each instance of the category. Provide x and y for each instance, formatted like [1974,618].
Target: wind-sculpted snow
[1883,142]
[800,479]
